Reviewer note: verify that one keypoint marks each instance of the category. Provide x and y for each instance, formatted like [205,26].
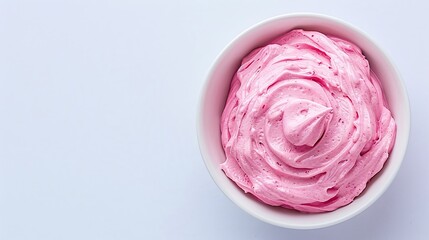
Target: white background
[98,111]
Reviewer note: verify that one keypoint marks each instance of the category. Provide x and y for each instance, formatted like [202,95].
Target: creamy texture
[306,124]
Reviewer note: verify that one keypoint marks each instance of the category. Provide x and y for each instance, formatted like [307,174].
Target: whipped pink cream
[306,124]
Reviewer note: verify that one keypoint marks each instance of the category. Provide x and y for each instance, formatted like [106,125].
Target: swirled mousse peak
[306,124]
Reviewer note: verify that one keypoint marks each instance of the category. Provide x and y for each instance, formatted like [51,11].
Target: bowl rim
[200,132]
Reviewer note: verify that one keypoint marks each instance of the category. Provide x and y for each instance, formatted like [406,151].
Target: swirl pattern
[306,124]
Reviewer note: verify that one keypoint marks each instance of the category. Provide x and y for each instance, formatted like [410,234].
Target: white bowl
[215,92]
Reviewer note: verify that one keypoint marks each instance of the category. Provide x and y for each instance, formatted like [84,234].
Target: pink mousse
[306,124]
